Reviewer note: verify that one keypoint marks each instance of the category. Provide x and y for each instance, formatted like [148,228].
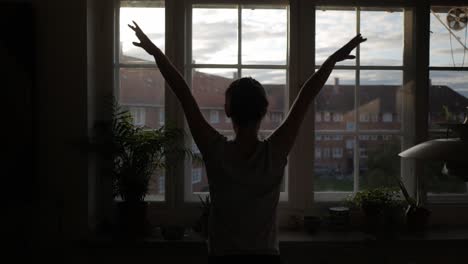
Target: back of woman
[245,193]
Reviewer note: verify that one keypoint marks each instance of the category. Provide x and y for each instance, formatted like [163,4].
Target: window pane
[151,20]
[448,49]
[274,82]
[334,105]
[264,36]
[448,99]
[142,93]
[380,100]
[384,32]
[379,163]
[334,162]
[334,28]
[214,35]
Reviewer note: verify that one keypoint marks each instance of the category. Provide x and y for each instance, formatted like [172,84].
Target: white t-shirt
[245,195]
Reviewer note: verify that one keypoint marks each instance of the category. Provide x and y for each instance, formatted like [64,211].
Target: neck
[246,135]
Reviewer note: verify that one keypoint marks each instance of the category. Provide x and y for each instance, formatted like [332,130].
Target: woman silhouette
[245,174]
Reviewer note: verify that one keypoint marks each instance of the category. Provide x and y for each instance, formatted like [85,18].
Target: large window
[368,93]
[140,86]
[363,115]
[448,87]
[229,42]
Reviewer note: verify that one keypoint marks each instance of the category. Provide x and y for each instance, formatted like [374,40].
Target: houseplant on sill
[381,208]
[136,153]
[416,216]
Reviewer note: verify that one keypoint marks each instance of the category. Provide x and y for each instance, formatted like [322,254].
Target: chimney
[336,85]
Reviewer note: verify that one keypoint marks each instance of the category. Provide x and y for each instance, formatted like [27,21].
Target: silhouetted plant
[137,152]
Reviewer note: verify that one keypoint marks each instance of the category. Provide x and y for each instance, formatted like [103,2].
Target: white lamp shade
[439,149]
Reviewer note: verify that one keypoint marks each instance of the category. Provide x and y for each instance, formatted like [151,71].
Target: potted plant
[380,207]
[416,216]
[136,153]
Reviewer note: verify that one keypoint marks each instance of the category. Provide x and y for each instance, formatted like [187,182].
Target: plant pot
[417,219]
[132,219]
[381,222]
[173,232]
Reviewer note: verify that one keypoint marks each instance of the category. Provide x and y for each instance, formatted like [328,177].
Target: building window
[162,117]
[318,137]
[318,153]
[387,117]
[138,115]
[196,175]
[349,144]
[326,116]
[214,116]
[326,153]
[337,117]
[337,153]
[364,117]
[363,152]
[318,117]
[161,184]
[374,117]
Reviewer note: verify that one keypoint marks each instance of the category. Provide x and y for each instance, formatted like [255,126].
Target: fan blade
[450,18]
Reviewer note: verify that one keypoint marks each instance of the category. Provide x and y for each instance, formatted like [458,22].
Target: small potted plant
[416,216]
[380,207]
[137,152]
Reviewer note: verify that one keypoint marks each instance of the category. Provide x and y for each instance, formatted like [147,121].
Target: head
[246,103]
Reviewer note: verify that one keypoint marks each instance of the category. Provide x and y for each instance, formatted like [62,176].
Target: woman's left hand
[145,42]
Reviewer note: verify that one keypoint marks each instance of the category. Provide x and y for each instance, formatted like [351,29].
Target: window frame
[301,58]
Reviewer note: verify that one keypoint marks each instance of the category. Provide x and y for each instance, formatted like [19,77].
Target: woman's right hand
[344,52]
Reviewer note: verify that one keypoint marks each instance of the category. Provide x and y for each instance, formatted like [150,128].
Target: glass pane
[379,163]
[438,182]
[334,162]
[157,186]
[334,28]
[142,93]
[334,105]
[274,82]
[214,35]
[384,32]
[152,22]
[380,100]
[448,41]
[448,97]
[264,36]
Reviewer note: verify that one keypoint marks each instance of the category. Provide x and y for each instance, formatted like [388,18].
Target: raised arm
[284,136]
[202,131]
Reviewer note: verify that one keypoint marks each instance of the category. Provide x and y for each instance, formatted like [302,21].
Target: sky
[264,41]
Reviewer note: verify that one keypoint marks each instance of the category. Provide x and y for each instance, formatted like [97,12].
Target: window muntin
[151,18]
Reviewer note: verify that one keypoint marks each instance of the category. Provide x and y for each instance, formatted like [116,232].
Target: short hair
[248,101]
